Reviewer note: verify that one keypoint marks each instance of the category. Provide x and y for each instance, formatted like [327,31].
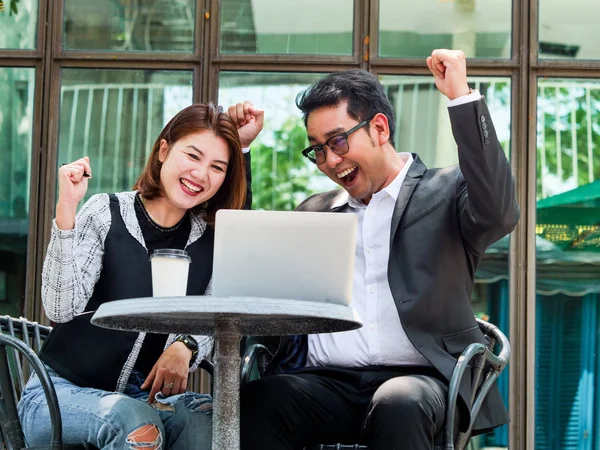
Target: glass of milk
[170,269]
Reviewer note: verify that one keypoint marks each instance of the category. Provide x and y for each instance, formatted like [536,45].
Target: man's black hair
[361,90]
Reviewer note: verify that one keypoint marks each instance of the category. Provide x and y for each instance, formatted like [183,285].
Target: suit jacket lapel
[415,172]
[340,201]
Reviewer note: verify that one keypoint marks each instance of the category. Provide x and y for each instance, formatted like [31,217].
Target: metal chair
[485,366]
[24,339]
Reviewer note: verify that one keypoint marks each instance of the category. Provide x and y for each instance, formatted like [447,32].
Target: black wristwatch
[190,343]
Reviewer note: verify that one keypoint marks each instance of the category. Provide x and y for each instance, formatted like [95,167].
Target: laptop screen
[288,255]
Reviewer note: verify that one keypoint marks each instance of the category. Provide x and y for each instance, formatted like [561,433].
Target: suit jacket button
[482,118]
[485,133]
[486,141]
[483,125]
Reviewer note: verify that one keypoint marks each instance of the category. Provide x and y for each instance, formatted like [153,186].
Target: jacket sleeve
[485,187]
[73,261]
[248,204]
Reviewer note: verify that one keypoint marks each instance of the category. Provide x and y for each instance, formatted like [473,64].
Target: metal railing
[114,124]
[123,118]
[573,109]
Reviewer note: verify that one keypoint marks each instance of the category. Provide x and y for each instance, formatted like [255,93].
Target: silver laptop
[279,254]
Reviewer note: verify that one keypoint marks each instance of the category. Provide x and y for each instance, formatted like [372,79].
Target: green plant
[281,176]
[14,7]
[567,116]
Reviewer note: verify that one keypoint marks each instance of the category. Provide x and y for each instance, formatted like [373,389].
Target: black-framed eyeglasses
[338,144]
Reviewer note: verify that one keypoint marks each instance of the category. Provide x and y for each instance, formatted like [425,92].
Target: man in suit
[421,234]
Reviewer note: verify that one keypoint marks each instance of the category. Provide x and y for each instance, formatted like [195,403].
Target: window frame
[524,68]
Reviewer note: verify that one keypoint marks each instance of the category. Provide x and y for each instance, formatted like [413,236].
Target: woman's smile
[190,188]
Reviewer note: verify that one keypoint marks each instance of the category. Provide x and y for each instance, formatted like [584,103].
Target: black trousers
[383,408]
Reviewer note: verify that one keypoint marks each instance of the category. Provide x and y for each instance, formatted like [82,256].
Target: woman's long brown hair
[195,118]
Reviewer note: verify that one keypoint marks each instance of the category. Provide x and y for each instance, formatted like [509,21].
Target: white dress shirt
[382,340]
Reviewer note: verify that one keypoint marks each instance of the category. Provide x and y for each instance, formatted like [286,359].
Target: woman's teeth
[191,187]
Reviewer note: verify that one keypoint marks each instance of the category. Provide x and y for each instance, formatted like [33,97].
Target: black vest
[90,356]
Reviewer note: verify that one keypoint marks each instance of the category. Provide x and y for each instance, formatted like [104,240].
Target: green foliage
[281,176]
[14,7]
[568,152]
[562,141]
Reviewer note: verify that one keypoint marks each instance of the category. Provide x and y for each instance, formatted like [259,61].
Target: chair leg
[9,418]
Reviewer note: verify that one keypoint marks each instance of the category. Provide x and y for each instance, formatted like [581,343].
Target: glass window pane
[568,264]
[18,22]
[114,116]
[411,29]
[423,127]
[144,25]
[569,32]
[16,123]
[287,27]
[422,123]
[281,176]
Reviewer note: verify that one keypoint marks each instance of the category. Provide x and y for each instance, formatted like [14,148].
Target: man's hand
[449,69]
[248,120]
[170,373]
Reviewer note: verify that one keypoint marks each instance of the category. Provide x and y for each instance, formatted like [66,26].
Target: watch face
[190,343]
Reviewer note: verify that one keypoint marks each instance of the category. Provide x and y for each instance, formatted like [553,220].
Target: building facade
[82,77]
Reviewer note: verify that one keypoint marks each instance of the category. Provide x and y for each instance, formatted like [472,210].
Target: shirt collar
[392,189]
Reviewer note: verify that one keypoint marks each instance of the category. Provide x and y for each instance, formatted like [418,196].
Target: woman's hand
[170,373]
[72,186]
[248,120]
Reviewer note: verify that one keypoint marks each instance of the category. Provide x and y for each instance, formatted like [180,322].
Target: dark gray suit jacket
[443,221]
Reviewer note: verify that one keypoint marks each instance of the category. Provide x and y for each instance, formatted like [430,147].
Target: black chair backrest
[32,334]
[485,362]
[20,340]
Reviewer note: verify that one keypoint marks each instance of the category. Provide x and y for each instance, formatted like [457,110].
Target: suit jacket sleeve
[487,204]
[248,204]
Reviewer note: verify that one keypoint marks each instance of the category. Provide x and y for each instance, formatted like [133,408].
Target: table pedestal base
[226,406]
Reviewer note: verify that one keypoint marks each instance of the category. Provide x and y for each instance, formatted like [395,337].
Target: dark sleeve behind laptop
[248,204]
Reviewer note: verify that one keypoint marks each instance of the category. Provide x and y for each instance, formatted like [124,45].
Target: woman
[126,390]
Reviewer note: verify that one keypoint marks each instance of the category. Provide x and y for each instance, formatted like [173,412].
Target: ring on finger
[168,385]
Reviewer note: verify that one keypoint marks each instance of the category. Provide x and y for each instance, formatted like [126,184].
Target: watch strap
[190,343]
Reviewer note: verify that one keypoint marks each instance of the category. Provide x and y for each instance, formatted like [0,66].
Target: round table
[228,319]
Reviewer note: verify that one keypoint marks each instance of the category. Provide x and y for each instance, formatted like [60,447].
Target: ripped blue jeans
[111,421]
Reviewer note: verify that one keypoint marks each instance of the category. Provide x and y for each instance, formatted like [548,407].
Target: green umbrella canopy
[571,272]
[567,245]
[585,196]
